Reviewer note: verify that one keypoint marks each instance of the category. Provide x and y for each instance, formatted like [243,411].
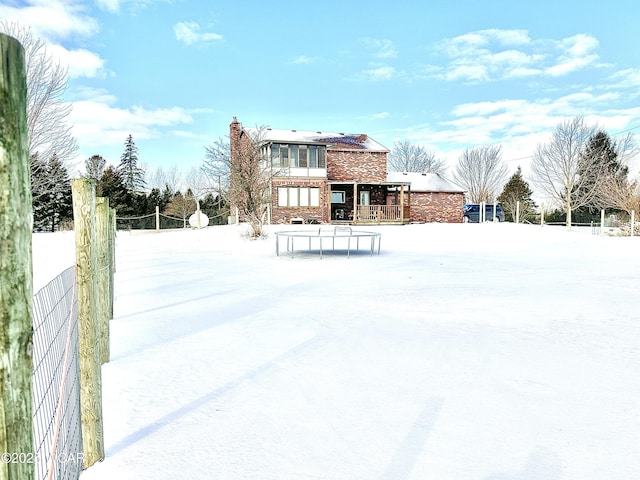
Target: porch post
[402,203]
[328,203]
[355,203]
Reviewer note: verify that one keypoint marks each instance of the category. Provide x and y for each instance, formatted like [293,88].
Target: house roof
[333,141]
[425,182]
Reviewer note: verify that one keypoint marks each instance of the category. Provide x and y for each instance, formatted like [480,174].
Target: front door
[365,197]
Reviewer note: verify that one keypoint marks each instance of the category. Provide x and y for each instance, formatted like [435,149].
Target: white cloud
[81,62]
[575,54]
[109,5]
[383,48]
[302,60]
[52,19]
[381,73]
[97,123]
[482,56]
[189,33]
[374,116]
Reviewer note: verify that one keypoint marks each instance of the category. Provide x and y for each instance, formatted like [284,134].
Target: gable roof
[333,141]
[425,182]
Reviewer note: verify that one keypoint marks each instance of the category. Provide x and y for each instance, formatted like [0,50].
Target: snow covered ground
[466,351]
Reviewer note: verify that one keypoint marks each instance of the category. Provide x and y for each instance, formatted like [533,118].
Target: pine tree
[517,190]
[112,186]
[603,150]
[53,205]
[132,175]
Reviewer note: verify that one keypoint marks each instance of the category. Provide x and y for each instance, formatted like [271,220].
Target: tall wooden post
[16,277]
[112,260]
[157,218]
[103,227]
[518,211]
[633,221]
[84,214]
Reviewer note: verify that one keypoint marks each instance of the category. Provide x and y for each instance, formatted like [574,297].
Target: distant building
[328,177]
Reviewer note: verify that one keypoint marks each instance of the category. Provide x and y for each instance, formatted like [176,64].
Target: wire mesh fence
[56,381]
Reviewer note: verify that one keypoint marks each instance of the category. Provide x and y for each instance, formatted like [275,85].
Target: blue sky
[447,75]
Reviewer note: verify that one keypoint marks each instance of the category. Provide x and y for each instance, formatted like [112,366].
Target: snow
[424,182]
[462,351]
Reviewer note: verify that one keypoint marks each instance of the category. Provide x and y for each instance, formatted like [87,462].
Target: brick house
[325,177]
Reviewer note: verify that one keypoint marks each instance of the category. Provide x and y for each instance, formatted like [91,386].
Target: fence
[160,221]
[56,381]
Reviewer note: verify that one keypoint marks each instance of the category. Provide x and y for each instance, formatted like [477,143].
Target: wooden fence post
[16,277]
[103,243]
[112,260]
[633,221]
[84,214]
[157,218]
[518,211]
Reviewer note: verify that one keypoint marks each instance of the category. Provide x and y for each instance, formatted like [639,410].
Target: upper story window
[299,156]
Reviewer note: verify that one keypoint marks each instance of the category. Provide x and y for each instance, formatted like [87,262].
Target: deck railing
[381,214]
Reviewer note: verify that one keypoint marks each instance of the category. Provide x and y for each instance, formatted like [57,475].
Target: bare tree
[407,157]
[616,190]
[200,183]
[182,206]
[47,113]
[247,173]
[94,167]
[170,178]
[481,172]
[562,171]
[621,194]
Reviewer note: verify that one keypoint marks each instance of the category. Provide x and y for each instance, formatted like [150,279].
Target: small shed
[433,198]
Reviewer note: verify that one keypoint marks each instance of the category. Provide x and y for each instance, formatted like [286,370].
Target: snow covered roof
[425,182]
[335,141]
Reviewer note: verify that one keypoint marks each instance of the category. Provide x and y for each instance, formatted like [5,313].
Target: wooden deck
[378,215]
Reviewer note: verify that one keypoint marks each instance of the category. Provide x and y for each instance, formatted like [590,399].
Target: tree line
[580,171]
[125,186]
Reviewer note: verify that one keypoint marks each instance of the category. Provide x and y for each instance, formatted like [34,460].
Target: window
[299,156]
[317,156]
[303,196]
[298,197]
[337,196]
[293,155]
[302,156]
[284,155]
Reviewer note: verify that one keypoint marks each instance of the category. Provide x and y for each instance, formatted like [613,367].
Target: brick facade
[285,214]
[441,207]
[356,166]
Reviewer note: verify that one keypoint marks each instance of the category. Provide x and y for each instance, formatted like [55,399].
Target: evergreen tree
[112,186]
[94,167]
[216,210]
[601,150]
[132,175]
[517,190]
[53,205]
